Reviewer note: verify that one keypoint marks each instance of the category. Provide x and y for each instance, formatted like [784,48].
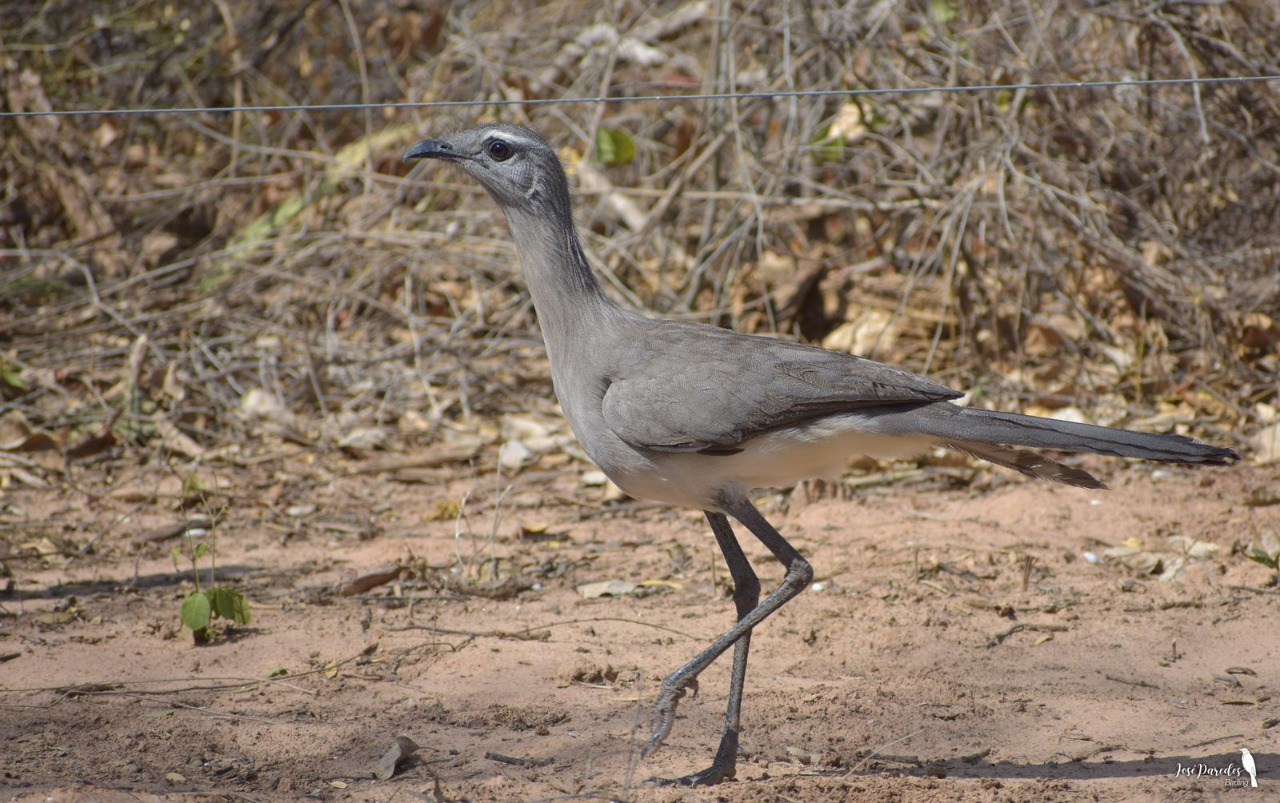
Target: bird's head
[518,168]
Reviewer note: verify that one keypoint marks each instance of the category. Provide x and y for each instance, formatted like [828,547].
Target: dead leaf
[1194,549]
[445,510]
[873,331]
[802,756]
[37,442]
[1138,560]
[259,407]
[661,584]
[540,533]
[606,588]
[367,582]
[93,445]
[15,429]
[1259,332]
[848,124]
[42,547]
[1266,445]
[1168,562]
[364,438]
[514,455]
[175,440]
[393,758]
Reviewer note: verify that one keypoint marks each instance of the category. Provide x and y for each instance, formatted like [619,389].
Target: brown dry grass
[1112,248]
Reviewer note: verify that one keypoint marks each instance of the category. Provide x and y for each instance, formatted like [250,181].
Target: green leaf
[198,551]
[229,604]
[827,148]
[196,611]
[944,11]
[176,554]
[192,486]
[277,671]
[241,613]
[218,599]
[614,147]
[11,376]
[1258,556]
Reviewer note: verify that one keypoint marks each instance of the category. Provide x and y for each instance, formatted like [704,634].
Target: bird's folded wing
[716,390]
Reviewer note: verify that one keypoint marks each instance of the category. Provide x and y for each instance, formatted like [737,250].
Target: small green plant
[11,375]
[204,605]
[1266,552]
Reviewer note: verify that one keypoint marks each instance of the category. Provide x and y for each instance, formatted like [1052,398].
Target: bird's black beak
[431,149]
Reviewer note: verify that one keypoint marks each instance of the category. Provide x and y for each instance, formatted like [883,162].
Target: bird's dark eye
[499,150]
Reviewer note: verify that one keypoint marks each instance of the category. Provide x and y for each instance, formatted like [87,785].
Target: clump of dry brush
[1114,247]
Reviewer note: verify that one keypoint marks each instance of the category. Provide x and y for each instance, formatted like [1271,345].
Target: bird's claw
[664,712]
[724,767]
[664,717]
[709,777]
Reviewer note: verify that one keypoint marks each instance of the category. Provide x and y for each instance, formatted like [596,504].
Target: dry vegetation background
[188,296]
[1118,249]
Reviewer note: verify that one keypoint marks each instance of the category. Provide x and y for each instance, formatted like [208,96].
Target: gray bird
[698,416]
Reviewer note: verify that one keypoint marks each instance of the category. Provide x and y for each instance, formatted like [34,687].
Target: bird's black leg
[746,595]
[750,613]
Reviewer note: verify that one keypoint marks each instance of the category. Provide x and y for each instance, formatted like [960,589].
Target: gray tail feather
[981,427]
[989,435]
[1029,463]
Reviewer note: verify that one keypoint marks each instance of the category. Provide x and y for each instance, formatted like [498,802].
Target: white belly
[779,459]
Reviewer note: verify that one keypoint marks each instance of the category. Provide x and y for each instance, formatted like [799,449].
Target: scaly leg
[750,613]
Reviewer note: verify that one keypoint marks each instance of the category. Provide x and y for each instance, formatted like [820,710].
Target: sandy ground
[959,644]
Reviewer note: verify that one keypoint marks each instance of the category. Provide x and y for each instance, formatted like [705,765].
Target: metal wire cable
[813,93]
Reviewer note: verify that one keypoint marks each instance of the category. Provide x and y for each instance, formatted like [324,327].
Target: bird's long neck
[565,291]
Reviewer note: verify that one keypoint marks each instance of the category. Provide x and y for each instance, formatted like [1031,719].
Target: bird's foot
[664,710]
[709,777]
[723,768]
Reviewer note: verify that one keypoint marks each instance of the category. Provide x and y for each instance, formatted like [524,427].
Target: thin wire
[807,93]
